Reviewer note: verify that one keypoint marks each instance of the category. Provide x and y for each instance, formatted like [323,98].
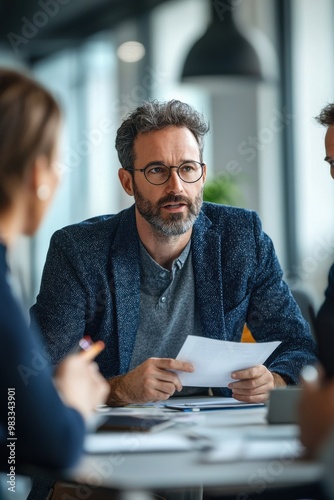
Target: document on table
[131,442]
[241,449]
[211,403]
[257,443]
[215,360]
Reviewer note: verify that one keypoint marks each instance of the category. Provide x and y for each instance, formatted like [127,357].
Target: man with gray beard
[168,267]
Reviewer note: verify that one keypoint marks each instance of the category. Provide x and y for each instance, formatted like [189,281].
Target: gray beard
[177,223]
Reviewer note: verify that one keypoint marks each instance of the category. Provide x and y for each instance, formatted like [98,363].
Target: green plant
[222,189]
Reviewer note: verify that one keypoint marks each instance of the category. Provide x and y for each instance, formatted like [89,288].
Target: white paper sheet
[241,449]
[215,360]
[132,442]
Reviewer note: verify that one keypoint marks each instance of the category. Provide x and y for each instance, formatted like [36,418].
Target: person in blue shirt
[42,418]
[316,411]
[325,316]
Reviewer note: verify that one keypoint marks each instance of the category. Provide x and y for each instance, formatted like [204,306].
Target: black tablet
[134,423]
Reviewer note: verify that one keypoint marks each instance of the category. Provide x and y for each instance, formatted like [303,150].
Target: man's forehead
[329,143]
[329,137]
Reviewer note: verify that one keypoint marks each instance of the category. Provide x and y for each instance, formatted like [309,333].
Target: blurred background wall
[264,143]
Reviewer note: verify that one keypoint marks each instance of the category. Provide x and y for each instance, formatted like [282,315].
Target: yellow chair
[247,335]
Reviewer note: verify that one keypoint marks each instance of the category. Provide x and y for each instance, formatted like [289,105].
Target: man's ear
[126,180]
[204,172]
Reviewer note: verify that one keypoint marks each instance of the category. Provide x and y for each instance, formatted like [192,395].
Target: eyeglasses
[330,161]
[158,173]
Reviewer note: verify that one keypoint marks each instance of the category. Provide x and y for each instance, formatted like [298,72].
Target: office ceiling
[40,27]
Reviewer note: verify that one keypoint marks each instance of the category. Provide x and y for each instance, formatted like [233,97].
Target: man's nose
[174,183]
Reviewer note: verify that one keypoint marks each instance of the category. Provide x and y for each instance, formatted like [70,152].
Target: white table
[137,473]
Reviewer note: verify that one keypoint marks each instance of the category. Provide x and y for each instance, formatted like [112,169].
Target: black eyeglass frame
[330,161]
[170,171]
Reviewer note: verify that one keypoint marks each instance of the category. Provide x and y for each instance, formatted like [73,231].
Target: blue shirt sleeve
[47,432]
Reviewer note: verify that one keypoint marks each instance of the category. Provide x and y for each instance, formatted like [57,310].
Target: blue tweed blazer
[91,285]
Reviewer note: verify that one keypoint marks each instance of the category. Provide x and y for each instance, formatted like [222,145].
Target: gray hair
[326,116]
[156,115]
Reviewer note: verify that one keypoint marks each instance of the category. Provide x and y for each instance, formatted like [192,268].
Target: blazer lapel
[206,244]
[126,276]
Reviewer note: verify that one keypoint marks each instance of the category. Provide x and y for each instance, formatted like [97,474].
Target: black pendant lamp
[222,50]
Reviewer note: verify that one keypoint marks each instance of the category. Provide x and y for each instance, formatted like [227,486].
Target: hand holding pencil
[78,379]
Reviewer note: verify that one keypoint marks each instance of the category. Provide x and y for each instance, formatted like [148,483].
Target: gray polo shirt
[167,309]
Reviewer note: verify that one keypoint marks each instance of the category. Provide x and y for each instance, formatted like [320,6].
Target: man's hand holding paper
[253,384]
[236,365]
[153,380]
